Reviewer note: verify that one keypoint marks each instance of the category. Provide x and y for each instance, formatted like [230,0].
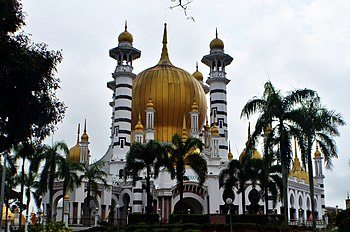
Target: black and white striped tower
[125,53]
[217,60]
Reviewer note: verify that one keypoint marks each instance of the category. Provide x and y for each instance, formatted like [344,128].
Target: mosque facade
[154,105]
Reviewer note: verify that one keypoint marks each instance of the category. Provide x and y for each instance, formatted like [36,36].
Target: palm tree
[150,157]
[53,158]
[94,175]
[276,109]
[68,172]
[184,154]
[317,125]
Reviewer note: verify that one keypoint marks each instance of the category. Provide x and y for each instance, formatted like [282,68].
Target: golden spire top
[126,25]
[139,126]
[229,155]
[206,127]
[164,58]
[149,104]
[125,36]
[214,130]
[216,32]
[184,131]
[216,43]
[78,133]
[85,137]
[194,107]
[197,74]
[317,153]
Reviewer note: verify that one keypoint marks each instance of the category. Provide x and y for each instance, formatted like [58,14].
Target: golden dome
[125,36]
[216,43]
[139,126]
[74,152]
[172,91]
[197,74]
[317,153]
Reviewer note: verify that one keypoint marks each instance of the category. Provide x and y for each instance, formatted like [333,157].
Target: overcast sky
[293,43]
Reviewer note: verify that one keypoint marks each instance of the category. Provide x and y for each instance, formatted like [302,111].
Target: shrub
[344,226]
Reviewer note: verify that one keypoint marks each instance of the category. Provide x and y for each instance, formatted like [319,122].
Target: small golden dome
[139,126]
[125,36]
[85,137]
[216,43]
[256,154]
[214,130]
[317,153]
[197,74]
[297,171]
[150,105]
[229,155]
[74,152]
[194,107]
[66,197]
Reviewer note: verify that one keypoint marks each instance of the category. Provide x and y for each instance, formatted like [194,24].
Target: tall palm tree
[24,151]
[278,110]
[150,157]
[94,175]
[317,125]
[53,156]
[184,154]
[68,172]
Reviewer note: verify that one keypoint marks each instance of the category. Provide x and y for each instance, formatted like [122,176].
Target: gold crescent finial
[126,25]
[78,133]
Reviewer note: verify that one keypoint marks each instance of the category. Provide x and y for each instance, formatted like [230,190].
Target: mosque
[154,105]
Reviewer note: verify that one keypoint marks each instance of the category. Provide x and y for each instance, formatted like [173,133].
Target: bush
[138,218]
[50,227]
[344,226]
[189,218]
[342,215]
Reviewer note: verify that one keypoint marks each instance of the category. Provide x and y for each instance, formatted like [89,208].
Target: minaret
[121,86]
[217,60]
[319,177]
[149,120]
[84,146]
[194,120]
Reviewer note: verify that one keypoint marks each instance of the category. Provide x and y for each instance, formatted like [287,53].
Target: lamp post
[117,206]
[229,203]
[96,215]
[300,216]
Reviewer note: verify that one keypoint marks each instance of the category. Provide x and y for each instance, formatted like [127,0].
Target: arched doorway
[190,206]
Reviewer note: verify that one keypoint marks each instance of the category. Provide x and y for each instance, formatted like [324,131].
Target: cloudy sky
[293,43]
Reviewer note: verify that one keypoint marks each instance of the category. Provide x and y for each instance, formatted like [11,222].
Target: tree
[278,110]
[184,154]
[29,107]
[94,176]
[150,157]
[53,158]
[317,125]
[68,172]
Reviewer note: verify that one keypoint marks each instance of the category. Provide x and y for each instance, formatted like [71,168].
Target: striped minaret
[217,60]
[319,178]
[125,53]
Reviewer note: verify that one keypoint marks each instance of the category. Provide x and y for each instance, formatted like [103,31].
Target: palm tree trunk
[22,190]
[51,180]
[311,185]
[64,194]
[181,185]
[148,192]
[243,201]
[284,157]
[88,201]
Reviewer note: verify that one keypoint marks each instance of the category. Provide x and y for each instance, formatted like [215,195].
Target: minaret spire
[164,58]
[78,133]
[126,25]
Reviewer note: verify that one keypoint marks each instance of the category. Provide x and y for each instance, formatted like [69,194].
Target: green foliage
[49,227]
[189,218]
[342,215]
[29,107]
[344,226]
[138,218]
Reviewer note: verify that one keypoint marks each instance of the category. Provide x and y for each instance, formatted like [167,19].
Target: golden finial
[216,32]
[139,126]
[164,58]
[194,107]
[85,137]
[229,155]
[317,152]
[248,140]
[184,131]
[66,197]
[149,104]
[126,25]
